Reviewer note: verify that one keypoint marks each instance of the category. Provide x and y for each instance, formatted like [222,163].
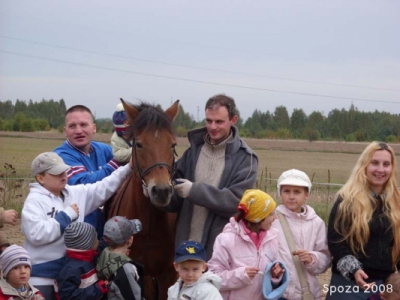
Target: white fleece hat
[294,177]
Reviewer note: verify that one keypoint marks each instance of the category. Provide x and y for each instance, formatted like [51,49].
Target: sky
[310,55]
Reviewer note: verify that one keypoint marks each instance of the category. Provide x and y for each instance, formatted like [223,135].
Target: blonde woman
[362,224]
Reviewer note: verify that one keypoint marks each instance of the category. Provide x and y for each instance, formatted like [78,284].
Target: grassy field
[327,163]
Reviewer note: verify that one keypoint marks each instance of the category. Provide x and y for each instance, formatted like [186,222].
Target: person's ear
[176,266]
[94,128]
[204,267]
[40,179]
[234,120]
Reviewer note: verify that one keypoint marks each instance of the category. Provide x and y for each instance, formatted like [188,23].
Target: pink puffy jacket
[309,233]
[233,252]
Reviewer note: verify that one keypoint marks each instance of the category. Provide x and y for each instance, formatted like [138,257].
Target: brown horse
[153,155]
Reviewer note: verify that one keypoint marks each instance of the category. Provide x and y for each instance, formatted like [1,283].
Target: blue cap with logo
[190,250]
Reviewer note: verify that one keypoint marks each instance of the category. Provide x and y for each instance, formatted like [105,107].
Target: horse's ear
[172,112]
[131,112]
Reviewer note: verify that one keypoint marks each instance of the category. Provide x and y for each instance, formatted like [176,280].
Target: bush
[350,138]
[391,138]
[11,188]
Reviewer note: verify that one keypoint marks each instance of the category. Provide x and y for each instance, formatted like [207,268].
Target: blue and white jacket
[89,168]
[45,216]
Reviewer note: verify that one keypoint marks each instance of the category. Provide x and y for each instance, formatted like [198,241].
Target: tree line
[339,124]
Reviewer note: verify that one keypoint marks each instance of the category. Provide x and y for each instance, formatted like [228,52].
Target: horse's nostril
[162,193]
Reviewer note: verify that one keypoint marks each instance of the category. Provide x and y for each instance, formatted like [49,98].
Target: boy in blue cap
[193,283]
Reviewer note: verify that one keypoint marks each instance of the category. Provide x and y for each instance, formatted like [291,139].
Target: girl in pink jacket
[308,231]
[245,248]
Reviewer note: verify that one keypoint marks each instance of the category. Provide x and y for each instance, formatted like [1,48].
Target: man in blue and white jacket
[90,161]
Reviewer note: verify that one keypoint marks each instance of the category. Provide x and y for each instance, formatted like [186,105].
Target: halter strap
[171,168]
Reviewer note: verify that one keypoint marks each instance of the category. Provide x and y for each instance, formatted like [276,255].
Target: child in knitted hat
[246,247]
[120,141]
[14,284]
[114,264]
[78,278]
[308,231]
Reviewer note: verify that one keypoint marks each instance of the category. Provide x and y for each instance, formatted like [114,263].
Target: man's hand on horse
[183,188]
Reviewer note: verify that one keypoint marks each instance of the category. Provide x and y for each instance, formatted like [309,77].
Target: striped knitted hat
[119,117]
[13,256]
[80,236]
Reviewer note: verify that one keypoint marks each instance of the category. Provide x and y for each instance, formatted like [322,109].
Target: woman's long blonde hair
[356,209]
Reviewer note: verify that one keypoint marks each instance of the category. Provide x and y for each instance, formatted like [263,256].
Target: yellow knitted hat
[257,205]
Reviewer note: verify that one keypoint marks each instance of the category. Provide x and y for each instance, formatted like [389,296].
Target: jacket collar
[84,255]
[91,150]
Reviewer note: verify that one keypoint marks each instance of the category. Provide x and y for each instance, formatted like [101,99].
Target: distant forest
[339,124]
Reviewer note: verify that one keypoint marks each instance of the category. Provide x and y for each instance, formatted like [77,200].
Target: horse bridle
[171,168]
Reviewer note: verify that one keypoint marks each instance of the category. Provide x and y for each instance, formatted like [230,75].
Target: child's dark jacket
[78,278]
[125,277]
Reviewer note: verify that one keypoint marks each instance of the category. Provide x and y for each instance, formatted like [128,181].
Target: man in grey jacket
[212,175]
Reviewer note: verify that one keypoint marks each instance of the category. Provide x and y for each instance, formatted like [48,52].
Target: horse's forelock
[151,117]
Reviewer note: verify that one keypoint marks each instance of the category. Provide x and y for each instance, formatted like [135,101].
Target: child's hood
[39,189]
[212,278]
[234,227]
[308,215]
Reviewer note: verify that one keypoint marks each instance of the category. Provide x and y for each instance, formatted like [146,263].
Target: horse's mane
[150,117]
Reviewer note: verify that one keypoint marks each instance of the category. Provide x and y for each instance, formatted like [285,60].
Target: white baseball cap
[294,177]
[48,162]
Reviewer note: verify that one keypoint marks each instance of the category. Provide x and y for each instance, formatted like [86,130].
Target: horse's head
[153,148]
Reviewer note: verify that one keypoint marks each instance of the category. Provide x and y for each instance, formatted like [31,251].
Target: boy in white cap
[120,143]
[193,283]
[50,207]
[308,231]
[114,263]
[17,270]
[78,278]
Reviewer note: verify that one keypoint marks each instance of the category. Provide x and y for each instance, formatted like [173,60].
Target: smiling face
[79,129]
[379,170]
[218,123]
[53,183]
[190,270]
[19,276]
[293,197]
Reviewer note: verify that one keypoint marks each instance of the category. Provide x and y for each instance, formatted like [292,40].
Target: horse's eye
[139,145]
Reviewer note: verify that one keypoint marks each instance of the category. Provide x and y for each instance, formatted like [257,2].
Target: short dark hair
[78,107]
[222,100]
